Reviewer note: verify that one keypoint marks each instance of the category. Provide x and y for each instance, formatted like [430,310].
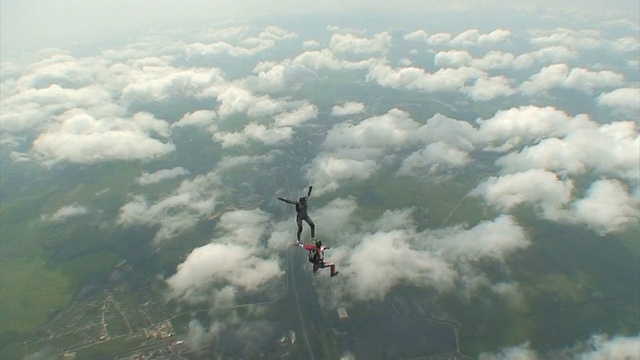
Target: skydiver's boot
[333,271]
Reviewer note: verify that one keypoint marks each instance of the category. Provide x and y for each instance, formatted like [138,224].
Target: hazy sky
[34,24]
[559,97]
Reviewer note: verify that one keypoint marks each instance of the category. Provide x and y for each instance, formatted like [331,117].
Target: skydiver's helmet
[302,199]
[318,243]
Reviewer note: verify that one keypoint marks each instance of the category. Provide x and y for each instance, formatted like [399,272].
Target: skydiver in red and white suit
[316,257]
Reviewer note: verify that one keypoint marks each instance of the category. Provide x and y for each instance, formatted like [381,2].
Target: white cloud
[234,100]
[612,149]
[390,254]
[549,194]
[528,123]
[250,46]
[159,82]
[192,201]
[518,352]
[267,135]
[391,129]
[618,347]
[35,107]
[598,347]
[607,208]
[348,108]
[581,39]
[325,59]
[489,88]
[413,78]
[286,115]
[351,44]
[452,58]
[310,44]
[559,76]
[213,264]
[553,54]
[64,213]
[199,118]
[354,151]
[81,138]
[440,38]
[473,37]
[327,171]
[418,35]
[501,60]
[155,177]
[277,77]
[297,116]
[626,44]
[433,158]
[623,100]
[441,259]
[234,260]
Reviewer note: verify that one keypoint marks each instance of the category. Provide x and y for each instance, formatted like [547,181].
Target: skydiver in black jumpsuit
[301,213]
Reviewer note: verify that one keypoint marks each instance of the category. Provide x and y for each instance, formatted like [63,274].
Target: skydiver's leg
[312,226]
[315,267]
[299,222]
[332,266]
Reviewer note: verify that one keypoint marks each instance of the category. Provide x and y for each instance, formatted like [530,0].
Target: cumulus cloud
[502,60]
[623,100]
[34,108]
[393,128]
[418,35]
[199,118]
[607,208]
[348,108]
[612,149]
[352,44]
[518,352]
[328,171]
[325,59]
[414,78]
[473,37]
[234,259]
[440,38]
[155,177]
[580,39]
[351,150]
[433,158]
[527,123]
[64,213]
[80,138]
[161,81]
[286,115]
[603,347]
[389,253]
[598,347]
[452,58]
[297,116]
[277,77]
[550,194]
[439,259]
[249,46]
[489,88]
[559,76]
[192,201]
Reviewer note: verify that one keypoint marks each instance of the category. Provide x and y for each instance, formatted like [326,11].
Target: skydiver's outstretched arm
[309,193]
[287,201]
